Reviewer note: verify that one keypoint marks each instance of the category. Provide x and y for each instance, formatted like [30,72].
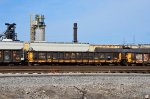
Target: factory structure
[8,39]
[37,28]
[39,51]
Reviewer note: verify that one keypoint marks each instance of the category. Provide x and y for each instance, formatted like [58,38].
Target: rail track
[75,69]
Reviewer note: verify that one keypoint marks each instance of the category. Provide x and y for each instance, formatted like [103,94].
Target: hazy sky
[99,21]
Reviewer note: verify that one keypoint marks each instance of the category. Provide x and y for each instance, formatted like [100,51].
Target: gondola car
[138,56]
[105,57]
[11,53]
[12,57]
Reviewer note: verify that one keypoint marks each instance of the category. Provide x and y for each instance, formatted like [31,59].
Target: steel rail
[82,69]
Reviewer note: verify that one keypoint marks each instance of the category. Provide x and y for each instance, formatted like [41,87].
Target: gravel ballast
[74,86]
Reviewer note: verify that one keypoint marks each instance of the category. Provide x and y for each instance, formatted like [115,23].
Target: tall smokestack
[75,33]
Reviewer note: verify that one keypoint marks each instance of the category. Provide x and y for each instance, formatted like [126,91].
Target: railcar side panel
[49,57]
[1,56]
[17,55]
[11,56]
[8,56]
[86,57]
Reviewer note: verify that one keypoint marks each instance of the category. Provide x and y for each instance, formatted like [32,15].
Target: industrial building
[38,43]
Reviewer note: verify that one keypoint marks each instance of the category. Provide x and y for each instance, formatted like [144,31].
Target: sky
[99,21]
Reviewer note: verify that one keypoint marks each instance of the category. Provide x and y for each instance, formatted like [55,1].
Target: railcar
[11,52]
[101,56]
[13,57]
[78,58]
[138,56]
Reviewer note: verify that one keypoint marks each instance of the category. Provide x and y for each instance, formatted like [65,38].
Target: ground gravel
[74,86]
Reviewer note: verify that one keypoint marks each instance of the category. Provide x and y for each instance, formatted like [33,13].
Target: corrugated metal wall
[11,45]
[59,47]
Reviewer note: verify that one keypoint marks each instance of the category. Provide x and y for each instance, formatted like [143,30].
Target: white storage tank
[40,34]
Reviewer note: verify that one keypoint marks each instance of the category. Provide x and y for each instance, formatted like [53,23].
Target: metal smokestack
[75,33]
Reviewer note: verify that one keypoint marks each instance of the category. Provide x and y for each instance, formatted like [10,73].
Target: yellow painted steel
[120,57]
[61,61]
[79,61]
[85,61]
[91,61]
[102,61]
[26,46]
[96,61]
[41,61]
[30,56]
[55,60]
[49,60]
[67,61]
[73,61]
[109,61]
[129,57]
